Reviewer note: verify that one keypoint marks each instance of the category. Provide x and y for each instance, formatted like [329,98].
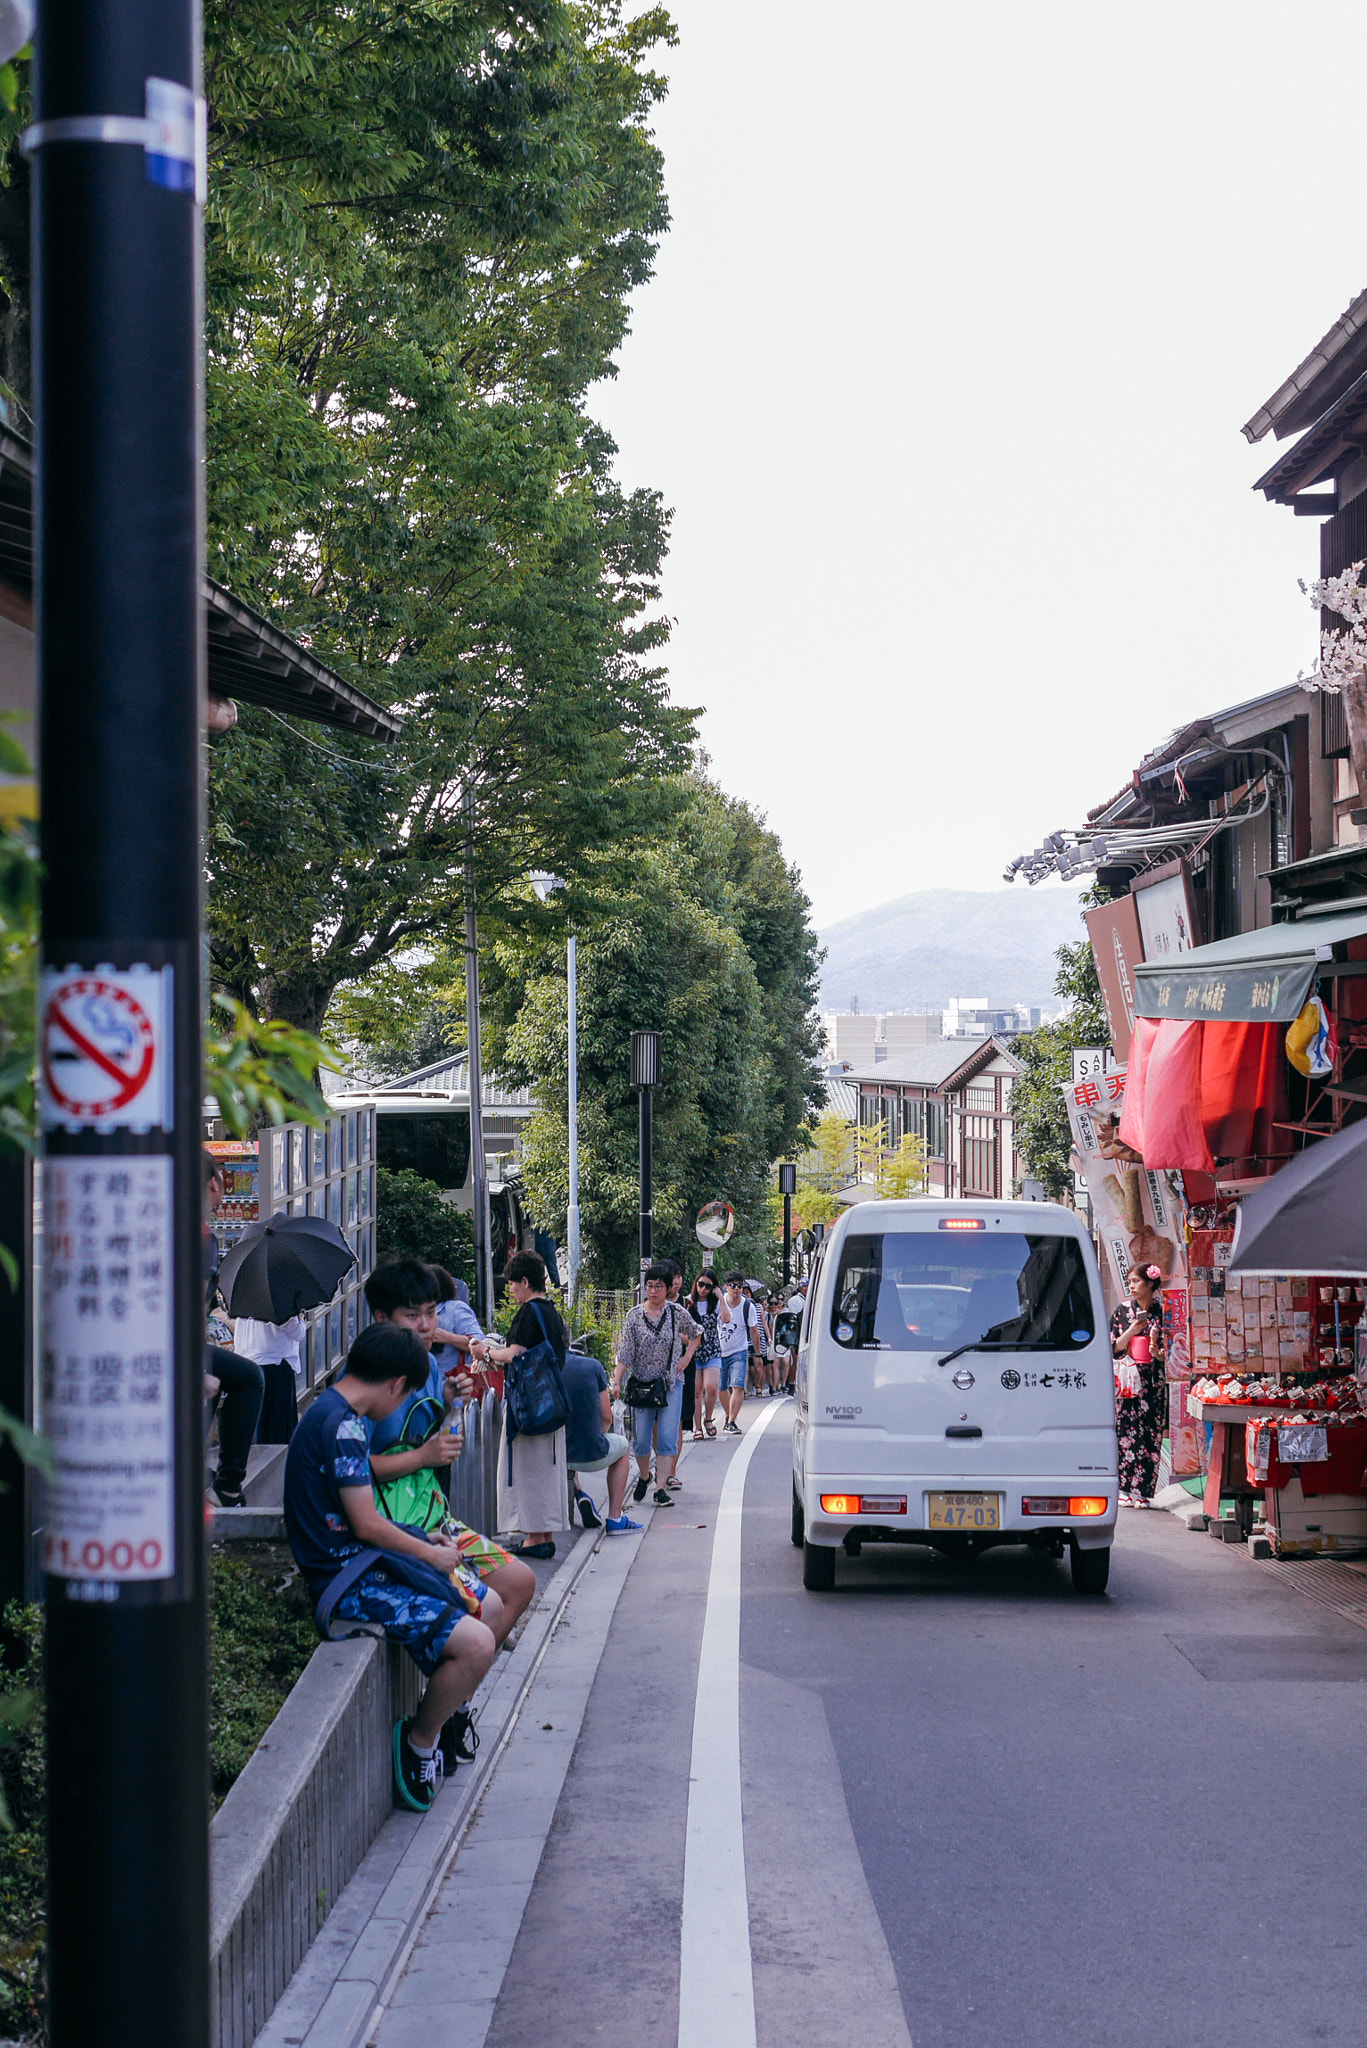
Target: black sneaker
[458,1740]
[640,1489]
[417,1779]
[227,1496]
[588,1513]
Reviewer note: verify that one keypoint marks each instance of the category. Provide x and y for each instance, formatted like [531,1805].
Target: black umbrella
[1312,1215]
[283,1267]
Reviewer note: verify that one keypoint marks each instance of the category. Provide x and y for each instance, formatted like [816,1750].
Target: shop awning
[1261,977]
[1312,1215]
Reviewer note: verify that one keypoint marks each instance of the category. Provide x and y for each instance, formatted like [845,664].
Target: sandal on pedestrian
[699,1437]
[711,1428]
[674,1485]
[663,1499]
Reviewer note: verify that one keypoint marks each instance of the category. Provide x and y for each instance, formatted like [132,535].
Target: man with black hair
[737,1323]
[420,1592]
[404,1293]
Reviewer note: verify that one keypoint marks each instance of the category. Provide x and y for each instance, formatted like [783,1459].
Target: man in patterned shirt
[331,1518]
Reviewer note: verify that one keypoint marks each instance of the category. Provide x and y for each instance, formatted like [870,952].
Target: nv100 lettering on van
[948,1331]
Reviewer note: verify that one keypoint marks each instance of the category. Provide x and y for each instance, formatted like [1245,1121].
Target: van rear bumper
[913,1526]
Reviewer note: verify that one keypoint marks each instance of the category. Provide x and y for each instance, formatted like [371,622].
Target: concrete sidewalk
[334,1998]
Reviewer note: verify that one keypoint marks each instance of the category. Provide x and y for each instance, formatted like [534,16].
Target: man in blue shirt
[591,1443]
[405,1292]
[331,1518]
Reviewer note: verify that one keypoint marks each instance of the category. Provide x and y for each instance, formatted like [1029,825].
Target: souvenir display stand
[1285,1428]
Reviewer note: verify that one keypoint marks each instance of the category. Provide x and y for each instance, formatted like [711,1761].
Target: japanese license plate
[965,1511]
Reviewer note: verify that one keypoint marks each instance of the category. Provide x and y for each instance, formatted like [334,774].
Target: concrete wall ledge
[297,1824]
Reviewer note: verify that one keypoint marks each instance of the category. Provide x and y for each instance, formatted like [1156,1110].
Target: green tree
[902,1172]
[413,1221]
[833,1147]
[672,955]
[423,232]
[1046,1055]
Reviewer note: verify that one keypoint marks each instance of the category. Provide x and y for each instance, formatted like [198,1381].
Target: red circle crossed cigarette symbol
[95,1034]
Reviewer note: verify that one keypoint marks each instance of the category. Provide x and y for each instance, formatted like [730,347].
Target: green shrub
[261,1636]
[23,1861]
[412,1221]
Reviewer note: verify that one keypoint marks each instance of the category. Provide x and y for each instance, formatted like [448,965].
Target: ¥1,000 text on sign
[107,1367]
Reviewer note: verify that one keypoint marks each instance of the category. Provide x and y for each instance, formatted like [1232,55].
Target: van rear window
[926,1291]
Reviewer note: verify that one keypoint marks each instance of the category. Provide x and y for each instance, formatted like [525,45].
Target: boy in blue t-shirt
[331,1516]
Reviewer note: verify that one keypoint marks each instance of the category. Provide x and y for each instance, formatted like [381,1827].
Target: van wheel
[1090,1568]
[799,1521]
[818,1568]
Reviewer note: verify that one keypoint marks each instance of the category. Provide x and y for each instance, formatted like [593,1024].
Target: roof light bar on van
[1076,1506]
[863,1503]
[962,1223]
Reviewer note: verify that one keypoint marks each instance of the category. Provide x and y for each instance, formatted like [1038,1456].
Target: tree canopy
[423,229]
[712,949]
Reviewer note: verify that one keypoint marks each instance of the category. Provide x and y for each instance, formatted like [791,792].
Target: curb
[1183,1506]
[348,1975]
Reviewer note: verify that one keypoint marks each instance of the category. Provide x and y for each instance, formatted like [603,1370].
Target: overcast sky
[942,371]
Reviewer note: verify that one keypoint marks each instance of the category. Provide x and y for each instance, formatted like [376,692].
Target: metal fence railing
[474,1475]
[607,1306]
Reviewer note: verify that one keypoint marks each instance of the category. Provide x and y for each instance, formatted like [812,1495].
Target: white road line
[716,1985]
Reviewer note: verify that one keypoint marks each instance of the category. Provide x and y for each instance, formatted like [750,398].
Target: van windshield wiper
[1000,1344]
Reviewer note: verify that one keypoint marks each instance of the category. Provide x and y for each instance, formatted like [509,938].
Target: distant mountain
[920,950]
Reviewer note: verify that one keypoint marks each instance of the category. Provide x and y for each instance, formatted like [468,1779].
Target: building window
[913,1116]
[980,1095]
[935,1130]
[980,1155]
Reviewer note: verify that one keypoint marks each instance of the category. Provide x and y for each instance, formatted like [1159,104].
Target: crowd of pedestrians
[367,1497]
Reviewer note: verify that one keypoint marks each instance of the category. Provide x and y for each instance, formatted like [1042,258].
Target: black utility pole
[117,155]
[645,1073]
[474,1074]
[787,1187]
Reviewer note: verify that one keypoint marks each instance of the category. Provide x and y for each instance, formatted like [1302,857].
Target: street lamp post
[572,1214]
[645,1074]
[479,1167]
[787,1187]
[117,149]
[545,885]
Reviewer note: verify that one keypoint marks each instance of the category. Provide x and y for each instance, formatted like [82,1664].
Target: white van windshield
[919,1290]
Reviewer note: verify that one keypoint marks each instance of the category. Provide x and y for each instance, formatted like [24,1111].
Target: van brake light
[1076,1506]
[863,1503]
[961,1223]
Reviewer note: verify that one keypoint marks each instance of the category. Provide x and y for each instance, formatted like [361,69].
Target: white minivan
[955,1387]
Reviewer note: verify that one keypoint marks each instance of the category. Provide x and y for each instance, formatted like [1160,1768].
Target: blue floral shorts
[422,1624]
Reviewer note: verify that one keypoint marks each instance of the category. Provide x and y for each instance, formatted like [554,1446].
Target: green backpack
[416,1499]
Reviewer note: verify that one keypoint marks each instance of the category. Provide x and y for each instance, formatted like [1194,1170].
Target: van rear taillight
[1074,1505]
[961,1223]
[863,1503]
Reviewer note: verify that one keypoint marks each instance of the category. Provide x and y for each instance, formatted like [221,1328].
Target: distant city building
[976,1017]
[861,1040]
[901,1032]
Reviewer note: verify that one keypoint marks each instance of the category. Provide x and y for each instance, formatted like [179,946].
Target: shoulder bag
[654,1393]
[537,1402]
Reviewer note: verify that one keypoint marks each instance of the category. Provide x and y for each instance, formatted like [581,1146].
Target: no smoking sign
[106,1048]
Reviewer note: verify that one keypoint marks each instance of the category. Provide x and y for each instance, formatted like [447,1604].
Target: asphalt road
[977,1807]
